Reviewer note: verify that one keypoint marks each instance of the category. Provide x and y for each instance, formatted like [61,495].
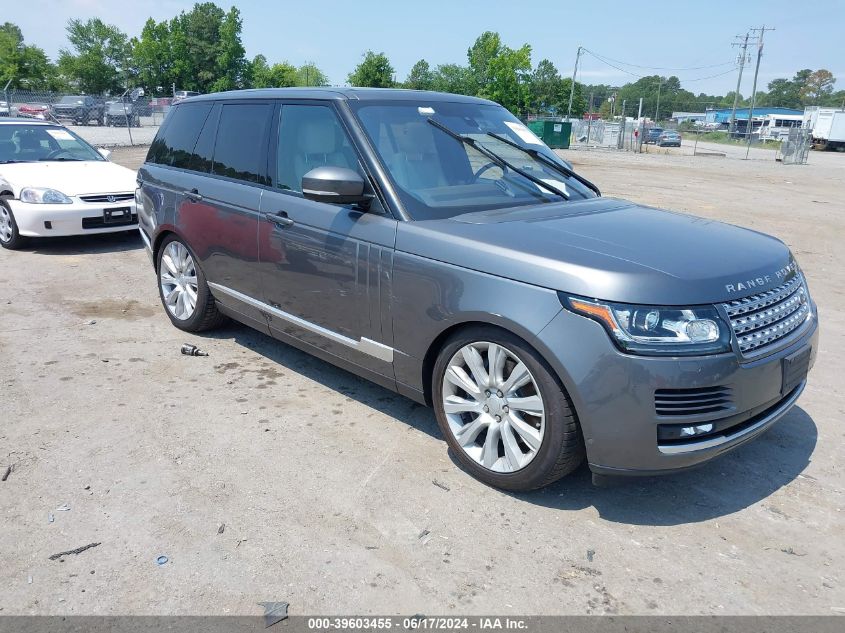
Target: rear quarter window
[174,144]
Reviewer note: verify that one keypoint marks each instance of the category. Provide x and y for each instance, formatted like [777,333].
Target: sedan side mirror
[335,185]
[105,153]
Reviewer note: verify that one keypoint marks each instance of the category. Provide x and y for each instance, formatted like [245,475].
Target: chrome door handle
[280,219]
[193,195]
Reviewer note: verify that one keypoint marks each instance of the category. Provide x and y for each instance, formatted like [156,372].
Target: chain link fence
[102,120]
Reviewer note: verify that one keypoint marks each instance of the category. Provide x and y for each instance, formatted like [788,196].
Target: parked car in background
[433,244]
[123,112]
[669,138]
[34,111]
[652,134]
[5,110]
[53,183]
[80,110]
[179,95]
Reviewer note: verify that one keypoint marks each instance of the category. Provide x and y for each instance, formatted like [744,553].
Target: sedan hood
[608,249]
[72,178]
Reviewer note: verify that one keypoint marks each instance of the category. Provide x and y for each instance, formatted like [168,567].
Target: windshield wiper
[540,156]
[58,159]
[501,162]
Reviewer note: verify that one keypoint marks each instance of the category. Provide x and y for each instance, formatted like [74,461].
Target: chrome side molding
[364,345]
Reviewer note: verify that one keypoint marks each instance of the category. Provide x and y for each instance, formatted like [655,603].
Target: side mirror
[336,185]
[105,153]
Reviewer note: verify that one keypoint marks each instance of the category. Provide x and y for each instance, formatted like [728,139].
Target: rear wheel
[9,236]
[503,411]
[183,289]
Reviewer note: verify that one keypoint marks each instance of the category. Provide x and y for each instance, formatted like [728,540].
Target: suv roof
[339,94]
[19,120]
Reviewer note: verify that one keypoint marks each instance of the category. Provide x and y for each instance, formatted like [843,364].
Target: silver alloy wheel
[494,407]
[178,278]
[5,224]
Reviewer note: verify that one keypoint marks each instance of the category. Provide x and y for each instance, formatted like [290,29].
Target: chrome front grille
[104,197]
[765,318]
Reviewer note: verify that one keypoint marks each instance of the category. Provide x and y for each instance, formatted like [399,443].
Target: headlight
[656,330]
[40,195]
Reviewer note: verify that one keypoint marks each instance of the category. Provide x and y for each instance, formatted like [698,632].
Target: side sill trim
[364,345]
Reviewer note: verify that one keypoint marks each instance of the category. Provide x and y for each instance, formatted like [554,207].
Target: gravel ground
[264,474]
[102,136]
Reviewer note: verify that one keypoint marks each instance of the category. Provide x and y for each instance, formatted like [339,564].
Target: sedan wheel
[178,279]
[493,406]
[5,224]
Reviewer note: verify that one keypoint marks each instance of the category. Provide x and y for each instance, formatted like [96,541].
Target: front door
[325,268]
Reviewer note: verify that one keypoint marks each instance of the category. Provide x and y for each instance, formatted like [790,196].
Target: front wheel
[9,236]
[503,411]
[183,289]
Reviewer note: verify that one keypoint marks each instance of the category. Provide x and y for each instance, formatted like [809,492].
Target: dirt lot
[325,483]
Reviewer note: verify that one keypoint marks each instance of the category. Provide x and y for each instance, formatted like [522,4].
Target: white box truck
[827,127]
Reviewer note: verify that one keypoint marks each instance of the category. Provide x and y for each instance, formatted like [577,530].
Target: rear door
[220,213]
[325,267]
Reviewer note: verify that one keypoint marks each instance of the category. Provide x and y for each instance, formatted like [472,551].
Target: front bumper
[77,218]
[614,396]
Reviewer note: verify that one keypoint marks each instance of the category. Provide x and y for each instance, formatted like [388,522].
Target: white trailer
[827,127]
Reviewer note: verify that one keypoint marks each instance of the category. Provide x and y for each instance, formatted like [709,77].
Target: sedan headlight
[40,195]
[657,330]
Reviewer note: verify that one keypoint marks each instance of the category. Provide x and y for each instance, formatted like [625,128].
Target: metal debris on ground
[78,550]
[221,528]
[50,517]
[91,322]
[63,508]
[192,350]
[590,554]
[6,473]
[274,612]
[440,485]
[162,560]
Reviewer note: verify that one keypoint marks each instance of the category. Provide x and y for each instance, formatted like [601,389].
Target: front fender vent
[688,402]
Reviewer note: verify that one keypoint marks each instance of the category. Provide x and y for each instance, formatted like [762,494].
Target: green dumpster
[555,134]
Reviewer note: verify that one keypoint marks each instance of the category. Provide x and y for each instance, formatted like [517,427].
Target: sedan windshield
[438,174]
[32,143]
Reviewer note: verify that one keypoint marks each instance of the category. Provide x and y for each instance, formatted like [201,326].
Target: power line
[628,72]
[605,57]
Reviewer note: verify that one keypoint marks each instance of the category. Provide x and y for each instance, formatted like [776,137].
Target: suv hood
[71,178]
[607,249]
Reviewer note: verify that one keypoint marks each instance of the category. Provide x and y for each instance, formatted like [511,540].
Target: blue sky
[334,34]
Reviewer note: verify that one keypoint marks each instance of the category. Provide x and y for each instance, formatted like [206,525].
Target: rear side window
[175,142]
[202,157]
[241,148]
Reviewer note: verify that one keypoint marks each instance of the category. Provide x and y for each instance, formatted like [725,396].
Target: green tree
[544,88]
[817,87]
[99,61]
[786,93]
[310,75]
[509,78]
[152,56]
[480,55]
[26,65]
[374,71]
[282,75]
[421,76]
[231,60]
[453,78]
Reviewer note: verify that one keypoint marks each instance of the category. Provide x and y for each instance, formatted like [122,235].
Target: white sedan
[53,183]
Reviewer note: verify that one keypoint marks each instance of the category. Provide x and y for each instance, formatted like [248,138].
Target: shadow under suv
[432,244]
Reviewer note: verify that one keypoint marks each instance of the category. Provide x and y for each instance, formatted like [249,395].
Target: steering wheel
[56,153]
[487,166]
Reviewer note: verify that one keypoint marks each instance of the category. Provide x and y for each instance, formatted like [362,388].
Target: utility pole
[750,128]
[572,88]
[742,57]
[657,109]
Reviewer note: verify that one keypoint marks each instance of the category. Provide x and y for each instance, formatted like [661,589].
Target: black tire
[562,448]
[206,316]
[17,240]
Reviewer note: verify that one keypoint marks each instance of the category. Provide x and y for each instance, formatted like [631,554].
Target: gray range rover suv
[432,244]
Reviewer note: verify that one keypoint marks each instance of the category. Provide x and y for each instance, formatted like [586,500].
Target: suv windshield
[29,143]
[439,176]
